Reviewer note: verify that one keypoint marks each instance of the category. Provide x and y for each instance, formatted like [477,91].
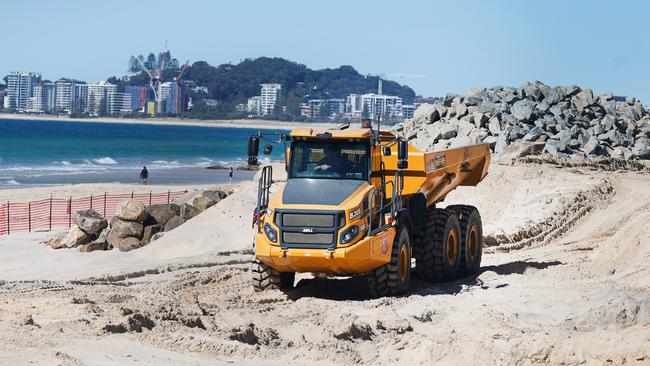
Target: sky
[433,46]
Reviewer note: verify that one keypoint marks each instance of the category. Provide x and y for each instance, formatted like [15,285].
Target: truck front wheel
[266,277]
[394,277]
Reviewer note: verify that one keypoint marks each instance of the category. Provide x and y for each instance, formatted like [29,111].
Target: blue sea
[41,153]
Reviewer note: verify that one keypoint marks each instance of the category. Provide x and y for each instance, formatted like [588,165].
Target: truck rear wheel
[437,246]
[471,237]
[266,277]
[394,277]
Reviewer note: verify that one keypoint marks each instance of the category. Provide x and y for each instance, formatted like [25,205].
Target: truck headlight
[270,232]
[349,234]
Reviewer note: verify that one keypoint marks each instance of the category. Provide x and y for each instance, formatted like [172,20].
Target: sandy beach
[239,123]
[564,280]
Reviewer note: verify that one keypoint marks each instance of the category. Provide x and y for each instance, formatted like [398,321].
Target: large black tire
[393,278]
[266,277]
[471,237]
[437,246]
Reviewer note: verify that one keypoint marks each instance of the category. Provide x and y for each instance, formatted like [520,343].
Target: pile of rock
[563,121]
[134,225]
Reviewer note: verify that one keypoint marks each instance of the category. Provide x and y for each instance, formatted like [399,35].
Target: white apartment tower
[269,95]
[35,102]
[98,97]
[20,87]
[118,103]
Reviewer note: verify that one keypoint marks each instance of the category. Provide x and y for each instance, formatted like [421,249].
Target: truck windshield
[329,159]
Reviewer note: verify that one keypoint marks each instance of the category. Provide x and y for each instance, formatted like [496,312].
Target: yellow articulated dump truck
[363,202]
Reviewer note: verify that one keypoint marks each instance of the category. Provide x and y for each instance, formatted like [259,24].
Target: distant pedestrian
[144,174]
[230,174]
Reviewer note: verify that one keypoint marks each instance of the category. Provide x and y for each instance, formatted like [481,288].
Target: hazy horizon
[439,47]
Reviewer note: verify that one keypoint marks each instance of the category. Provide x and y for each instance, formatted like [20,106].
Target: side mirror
[253,149]
[402,150]
[268,149]
[387,151]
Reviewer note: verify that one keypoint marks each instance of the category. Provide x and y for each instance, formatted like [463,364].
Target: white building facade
[98,97]
[20,87]
[269,96]
[118,103]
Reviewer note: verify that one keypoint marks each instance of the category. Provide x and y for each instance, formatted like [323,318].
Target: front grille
[307,220]
[309,228]
[303,238]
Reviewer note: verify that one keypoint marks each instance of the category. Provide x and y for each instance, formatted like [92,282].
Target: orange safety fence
[55,213]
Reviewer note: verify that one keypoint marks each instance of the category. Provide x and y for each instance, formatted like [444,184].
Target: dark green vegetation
[231,84]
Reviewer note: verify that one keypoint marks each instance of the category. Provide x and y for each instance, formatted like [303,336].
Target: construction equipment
[363,201]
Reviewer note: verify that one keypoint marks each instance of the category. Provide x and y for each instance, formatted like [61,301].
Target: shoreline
[235,123]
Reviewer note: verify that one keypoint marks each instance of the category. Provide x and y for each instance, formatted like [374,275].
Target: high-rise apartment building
[269,95]
[20,87]
[97,97]
[49,97]
[118,103]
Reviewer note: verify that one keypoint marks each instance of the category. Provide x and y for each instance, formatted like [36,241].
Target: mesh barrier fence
[56,213]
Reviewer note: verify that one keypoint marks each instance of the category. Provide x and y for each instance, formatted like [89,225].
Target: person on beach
[144,174]
[230,174]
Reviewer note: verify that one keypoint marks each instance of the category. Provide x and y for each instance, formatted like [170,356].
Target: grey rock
[582,100]
[126,229]
[203,203]
[564,137]
[490,140]
[523,110]
[188,211]
[70,239]
[554,147]
[173,223]
[630,100]
[90,221]
[533,134]
[461,110]
[149,232]
[472,101]
[494,125]
[571,90]
[91,247]
[216,195]
[447,131]
[160,214]
[123,244]
[502,142]
[479,119]
[591,147]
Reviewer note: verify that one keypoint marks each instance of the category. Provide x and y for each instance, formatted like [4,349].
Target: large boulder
[160,214]
[188,211]
[173,223]
[123,244]
[70,239]
[91,247]
[203,203]
[583,99]
[126,229]
[90,221]
[216,195]
[523,110]
[149,232]
[131,210]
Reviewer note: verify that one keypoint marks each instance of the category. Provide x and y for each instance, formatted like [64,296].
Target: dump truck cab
[353,203]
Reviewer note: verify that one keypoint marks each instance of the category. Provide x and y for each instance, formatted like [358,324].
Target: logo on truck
[437,162]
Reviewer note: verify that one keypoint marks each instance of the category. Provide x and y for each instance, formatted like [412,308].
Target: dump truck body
[346,219]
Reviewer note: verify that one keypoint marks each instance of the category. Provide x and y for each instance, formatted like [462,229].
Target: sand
[237,123]
[565,280]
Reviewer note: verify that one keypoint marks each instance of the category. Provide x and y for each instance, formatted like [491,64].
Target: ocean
[42,153]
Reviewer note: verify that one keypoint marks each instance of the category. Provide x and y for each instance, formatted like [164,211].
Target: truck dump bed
[435,174]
